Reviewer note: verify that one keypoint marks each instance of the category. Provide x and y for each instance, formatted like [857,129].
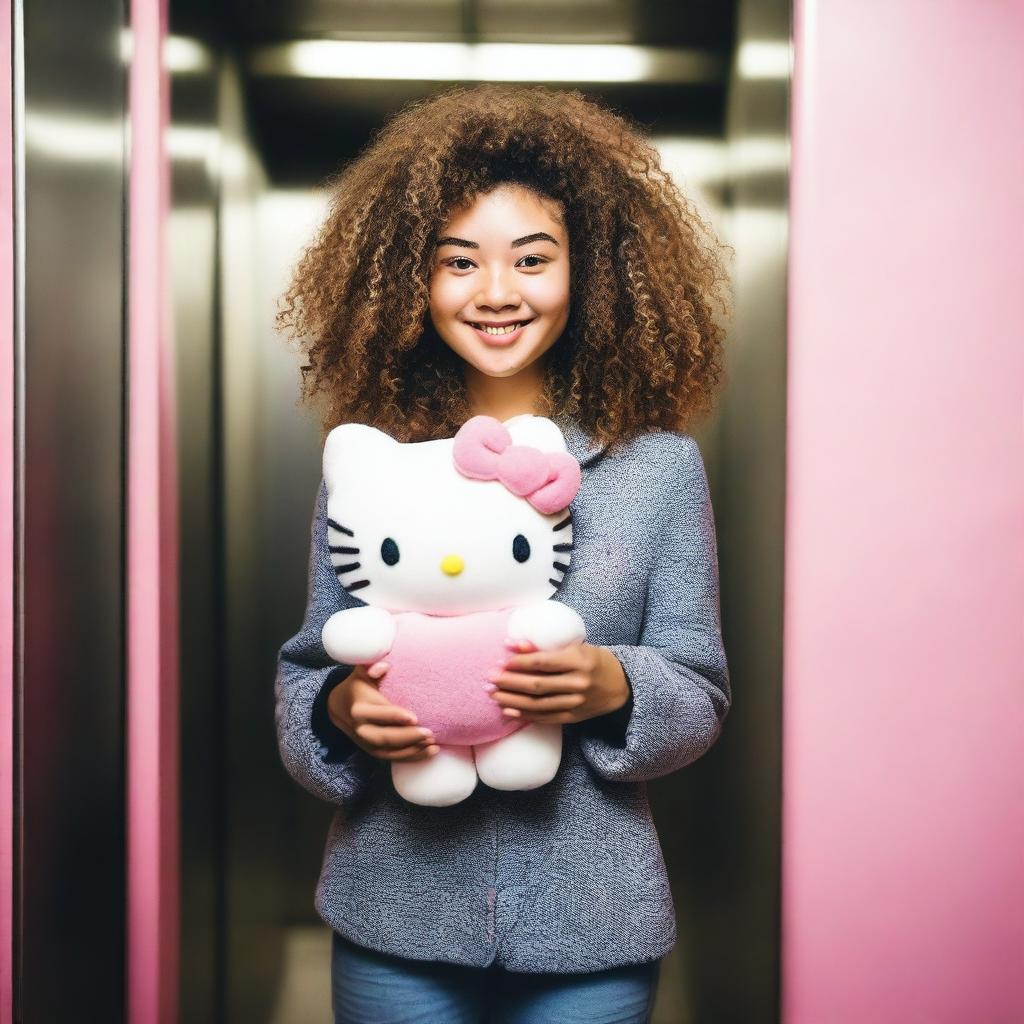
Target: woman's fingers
[381,714]
[415,753]
[555,702]
[391,737]
[521,682]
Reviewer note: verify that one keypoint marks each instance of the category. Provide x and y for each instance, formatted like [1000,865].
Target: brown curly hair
[642,348]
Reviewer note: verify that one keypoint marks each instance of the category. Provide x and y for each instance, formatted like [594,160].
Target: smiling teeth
[501,330]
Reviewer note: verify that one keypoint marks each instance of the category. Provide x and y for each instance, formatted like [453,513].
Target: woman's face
[502,260]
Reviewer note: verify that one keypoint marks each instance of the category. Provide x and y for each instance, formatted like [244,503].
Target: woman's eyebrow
[450,241]
[539,236]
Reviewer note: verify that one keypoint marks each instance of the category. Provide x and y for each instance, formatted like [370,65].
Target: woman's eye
[389,551]
[460,259]
[541,260]
[520,548]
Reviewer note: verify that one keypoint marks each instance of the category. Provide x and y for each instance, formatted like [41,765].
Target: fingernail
[433,750]
[426,733]
[511,712]
[413,719]
[494,674]
[490,687]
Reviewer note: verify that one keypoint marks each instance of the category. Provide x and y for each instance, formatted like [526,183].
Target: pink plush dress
[439,666]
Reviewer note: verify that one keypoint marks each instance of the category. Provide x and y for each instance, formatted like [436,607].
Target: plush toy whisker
[565,522]
[337,549]
[358,585]
[561,547]
[560,566]
[341,529]
[339,569]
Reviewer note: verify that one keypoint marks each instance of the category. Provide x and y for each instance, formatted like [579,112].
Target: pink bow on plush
[484,451]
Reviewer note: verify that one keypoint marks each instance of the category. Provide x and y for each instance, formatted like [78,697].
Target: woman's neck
[504,397]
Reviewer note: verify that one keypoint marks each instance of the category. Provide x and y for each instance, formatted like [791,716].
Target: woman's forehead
[505,208]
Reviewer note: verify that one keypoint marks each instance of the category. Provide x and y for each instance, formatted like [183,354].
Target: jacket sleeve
[678,677]
[319,756]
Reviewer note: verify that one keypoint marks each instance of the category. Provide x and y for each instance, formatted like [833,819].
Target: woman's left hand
[567,684]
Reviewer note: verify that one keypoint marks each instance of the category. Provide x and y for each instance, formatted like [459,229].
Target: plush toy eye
[389,551]
[520,548]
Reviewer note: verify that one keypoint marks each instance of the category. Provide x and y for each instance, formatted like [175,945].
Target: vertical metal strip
[152,580]
[8,468]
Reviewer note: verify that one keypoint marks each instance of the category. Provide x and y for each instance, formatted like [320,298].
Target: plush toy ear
[349,447]
[536,432]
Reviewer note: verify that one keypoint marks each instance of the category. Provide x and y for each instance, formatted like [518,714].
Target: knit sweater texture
[570,876]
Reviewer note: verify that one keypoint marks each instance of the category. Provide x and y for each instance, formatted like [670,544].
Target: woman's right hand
[372,722]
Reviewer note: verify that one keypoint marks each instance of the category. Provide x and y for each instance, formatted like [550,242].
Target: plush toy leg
[525,759]
[446,778]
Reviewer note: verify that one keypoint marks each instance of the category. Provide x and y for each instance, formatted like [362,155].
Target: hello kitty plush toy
[455,546]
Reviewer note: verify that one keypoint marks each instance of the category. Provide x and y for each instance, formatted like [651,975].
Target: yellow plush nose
[452,565]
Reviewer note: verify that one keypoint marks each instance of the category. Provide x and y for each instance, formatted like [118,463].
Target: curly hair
[642,347]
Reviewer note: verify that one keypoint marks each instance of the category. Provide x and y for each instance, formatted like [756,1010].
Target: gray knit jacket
[568,877]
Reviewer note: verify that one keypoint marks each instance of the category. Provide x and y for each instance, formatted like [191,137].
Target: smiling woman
[500,252]
[502,308]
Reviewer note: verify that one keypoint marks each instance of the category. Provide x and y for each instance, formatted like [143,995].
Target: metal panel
[6,516]
[734,969]
[192,250]
[70,782]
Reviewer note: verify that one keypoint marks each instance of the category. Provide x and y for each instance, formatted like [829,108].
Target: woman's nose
[500,292]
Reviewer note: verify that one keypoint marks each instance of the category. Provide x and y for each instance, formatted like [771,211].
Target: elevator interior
[259,121]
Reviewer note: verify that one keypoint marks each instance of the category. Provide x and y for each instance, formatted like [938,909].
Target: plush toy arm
[677,673]
[359,636]
[547,625]
[320,757]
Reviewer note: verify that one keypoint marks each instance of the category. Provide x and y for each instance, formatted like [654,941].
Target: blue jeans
[374,988]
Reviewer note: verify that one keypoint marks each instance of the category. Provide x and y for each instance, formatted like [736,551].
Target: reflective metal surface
[70,875]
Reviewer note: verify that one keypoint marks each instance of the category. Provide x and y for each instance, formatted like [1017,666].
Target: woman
[499,250]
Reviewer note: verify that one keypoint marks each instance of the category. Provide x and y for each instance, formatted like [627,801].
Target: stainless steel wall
[194,148]
[730,858]
[240,844]
[70,872]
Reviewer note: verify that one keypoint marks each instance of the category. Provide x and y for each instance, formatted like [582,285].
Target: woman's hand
[568,684]
[372,722]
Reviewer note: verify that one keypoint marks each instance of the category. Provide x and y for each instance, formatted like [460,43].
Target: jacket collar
[578,441]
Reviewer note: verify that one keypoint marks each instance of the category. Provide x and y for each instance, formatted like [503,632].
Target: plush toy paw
[547,625]
[359,636]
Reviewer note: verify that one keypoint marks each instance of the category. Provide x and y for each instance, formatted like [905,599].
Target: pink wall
[6,516]
[903,877]
[152,716]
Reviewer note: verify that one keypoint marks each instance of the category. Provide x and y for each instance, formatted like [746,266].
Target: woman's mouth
[500,335]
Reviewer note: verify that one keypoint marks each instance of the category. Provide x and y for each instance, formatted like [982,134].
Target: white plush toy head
[478,522]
